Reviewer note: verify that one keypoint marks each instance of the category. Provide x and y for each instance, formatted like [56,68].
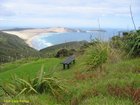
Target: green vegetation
[52,51]
[102,75]
[91,87]
[65,52]
[13,48]
[96,55]
[25,68]
[130,42]
[41,84]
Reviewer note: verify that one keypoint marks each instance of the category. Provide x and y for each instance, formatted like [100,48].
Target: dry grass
[86,94]
[84,76]
[137,70]
[127,92]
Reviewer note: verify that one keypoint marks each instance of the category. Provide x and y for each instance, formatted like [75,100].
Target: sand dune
[29,34]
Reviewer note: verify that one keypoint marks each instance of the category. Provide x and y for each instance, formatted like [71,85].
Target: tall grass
[96,55]
[42,83]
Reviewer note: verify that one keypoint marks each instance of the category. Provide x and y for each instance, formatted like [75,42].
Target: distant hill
[49,29]
[17,29]
[69,45]
[12,47]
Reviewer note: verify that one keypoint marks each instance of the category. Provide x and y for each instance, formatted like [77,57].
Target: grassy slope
[13,47]
[121,73]
[67,45]
[27,69]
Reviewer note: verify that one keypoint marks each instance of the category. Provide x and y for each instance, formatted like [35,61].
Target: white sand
[29,35]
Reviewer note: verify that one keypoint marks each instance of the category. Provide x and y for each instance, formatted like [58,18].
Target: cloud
[64,7]
[5,12]
[2,19]
[71,10]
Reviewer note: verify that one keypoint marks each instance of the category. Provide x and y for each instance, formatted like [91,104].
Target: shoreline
[26,37]
[30,34]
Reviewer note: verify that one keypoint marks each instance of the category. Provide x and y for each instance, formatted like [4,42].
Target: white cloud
[1,19]
[56,7]
[61,11]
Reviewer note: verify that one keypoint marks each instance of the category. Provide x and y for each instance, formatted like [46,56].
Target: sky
[69,13]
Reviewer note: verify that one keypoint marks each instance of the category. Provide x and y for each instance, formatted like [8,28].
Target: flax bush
[40,84]
[96,55]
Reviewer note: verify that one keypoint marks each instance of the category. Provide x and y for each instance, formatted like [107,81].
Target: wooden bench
[68,61]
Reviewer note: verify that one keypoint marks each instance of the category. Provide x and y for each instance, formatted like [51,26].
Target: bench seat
[68,61]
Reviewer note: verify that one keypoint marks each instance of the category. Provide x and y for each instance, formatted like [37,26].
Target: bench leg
[68,66]
[63,66]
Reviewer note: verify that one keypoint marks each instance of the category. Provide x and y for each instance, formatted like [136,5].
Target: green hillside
[84,87]
[106,73]
[100,76]
[17,29]
[13,47]
[52,50]
[28,68]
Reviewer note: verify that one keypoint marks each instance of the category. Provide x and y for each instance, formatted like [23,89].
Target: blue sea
[50,39]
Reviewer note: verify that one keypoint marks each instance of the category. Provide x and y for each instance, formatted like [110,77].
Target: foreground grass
[28,69]
[85,87]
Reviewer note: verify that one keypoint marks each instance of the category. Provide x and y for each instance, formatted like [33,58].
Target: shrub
[65,52]
[38,85]
[96,55]
[62,53]
[130,42]
[116,42]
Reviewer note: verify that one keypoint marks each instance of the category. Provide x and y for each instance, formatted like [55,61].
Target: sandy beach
[29,34]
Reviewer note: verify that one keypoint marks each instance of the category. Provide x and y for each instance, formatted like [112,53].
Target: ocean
[50,39]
